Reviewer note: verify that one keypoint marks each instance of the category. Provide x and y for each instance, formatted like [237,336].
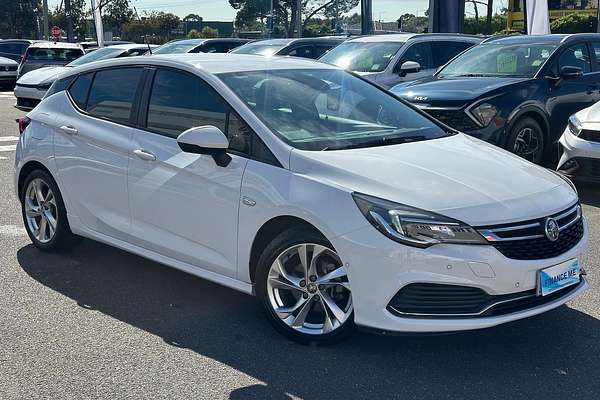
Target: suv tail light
[23,124]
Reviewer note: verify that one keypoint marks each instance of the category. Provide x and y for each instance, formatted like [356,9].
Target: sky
[386,10]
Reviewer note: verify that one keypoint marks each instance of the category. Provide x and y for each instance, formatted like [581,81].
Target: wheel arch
[531,111]
[24,172]
[270,230]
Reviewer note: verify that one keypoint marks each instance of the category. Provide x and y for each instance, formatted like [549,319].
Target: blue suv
[516,92]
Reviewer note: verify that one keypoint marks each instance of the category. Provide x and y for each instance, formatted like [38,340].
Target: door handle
[69,130]
[144,155]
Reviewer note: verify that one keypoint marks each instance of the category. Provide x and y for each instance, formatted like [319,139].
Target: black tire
[286,240]
[516,144]
[63,238]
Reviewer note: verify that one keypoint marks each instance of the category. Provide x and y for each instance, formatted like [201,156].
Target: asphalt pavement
[100,323]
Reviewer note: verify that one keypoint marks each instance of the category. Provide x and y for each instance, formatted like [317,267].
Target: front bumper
[378,268]
[580,158]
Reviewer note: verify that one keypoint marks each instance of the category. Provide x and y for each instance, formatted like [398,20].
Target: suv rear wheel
[527,140]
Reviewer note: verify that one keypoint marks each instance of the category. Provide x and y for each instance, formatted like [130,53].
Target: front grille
[456,119]
[528,241]
[430,300]
[27,103]
[591,136]
[8,68]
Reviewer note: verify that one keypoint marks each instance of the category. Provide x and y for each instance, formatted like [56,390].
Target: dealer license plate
[558,277]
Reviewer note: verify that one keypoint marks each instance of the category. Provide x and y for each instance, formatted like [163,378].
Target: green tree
[208,32]
[155,27]
[193,34]
[192,17]
[79,14]
[574,23]
[412,23]
[116,13]
[16,19]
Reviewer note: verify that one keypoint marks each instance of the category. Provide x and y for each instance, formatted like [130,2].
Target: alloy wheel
[528,144]
[40,210]
[308,289]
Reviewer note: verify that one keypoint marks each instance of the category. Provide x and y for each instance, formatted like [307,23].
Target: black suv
[516,92]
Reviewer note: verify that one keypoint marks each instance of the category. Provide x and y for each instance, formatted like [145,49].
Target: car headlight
[412,226]
[44,85]
[575,125]
[484,113]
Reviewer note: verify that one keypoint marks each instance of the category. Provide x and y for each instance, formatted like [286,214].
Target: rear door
[92,147]
[183,205]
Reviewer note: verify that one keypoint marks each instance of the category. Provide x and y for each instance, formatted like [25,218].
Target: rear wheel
[527,140]
[44,213]
[304,288]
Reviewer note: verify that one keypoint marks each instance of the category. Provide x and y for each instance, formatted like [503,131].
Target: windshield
[260,48]
[175,48]
[336,110]
[97,55]
[45,54]
[362,56]
[494,59]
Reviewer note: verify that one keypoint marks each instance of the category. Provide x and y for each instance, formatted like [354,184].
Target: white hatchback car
[331,200]
[580,145]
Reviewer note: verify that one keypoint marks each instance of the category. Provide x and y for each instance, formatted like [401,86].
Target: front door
[570,96]
[183,205]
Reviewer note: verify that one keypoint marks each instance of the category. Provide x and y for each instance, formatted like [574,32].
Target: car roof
[303,40]
[132,46]
[51,45]
[19,40]
[546,39]
[213,63]
[202,40]
[404,37]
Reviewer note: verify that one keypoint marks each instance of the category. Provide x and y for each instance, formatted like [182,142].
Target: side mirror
[208,140]
[568,72]
[409,67]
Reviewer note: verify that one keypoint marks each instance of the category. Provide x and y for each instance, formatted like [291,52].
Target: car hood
[457,176]
[451,92]
[40,75]
[7,61]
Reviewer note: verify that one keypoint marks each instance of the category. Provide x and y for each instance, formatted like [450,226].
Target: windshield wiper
[384,141]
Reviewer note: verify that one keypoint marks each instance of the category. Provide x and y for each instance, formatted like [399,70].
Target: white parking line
[10,147]
[9,138]
[7,95]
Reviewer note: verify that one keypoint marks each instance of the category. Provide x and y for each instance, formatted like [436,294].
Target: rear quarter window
[80,89]
[112,94]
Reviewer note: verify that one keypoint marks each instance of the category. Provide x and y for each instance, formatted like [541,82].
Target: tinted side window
[243,140]
[112,93]
[575,56]
[321,49]
[419,52]
[596,54]
[302,51]
[80,88]
[180,101]
[59,85]
[445,51]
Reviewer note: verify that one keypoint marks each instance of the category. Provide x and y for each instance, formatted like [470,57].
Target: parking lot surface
[100,323]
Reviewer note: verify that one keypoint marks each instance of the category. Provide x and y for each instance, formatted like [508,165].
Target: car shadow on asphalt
[553,355]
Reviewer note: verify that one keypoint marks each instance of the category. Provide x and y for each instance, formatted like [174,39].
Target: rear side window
[445,51]
[596,54]
[80,88]
[59,85]
[418,52]
[575,56]
[180,101]
[306,51]
[112,93]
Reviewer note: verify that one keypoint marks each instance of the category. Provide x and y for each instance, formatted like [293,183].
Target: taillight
[23,124]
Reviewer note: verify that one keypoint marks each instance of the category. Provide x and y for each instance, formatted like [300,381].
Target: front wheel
[304,288]
[527,140]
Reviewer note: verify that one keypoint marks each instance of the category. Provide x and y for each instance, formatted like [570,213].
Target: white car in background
[580,144]
[8,72]
[338,207]
[392,59]
[32,87]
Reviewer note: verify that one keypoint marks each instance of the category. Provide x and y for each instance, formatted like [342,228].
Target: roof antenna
[148,44]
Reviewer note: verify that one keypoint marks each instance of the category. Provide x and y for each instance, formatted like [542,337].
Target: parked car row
[328,197]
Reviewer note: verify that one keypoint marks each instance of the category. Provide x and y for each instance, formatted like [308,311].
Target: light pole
[69,21]
[366,17]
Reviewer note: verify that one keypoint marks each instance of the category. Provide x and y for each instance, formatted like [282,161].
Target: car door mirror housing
[208,140]
[409,67]
[568,72]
